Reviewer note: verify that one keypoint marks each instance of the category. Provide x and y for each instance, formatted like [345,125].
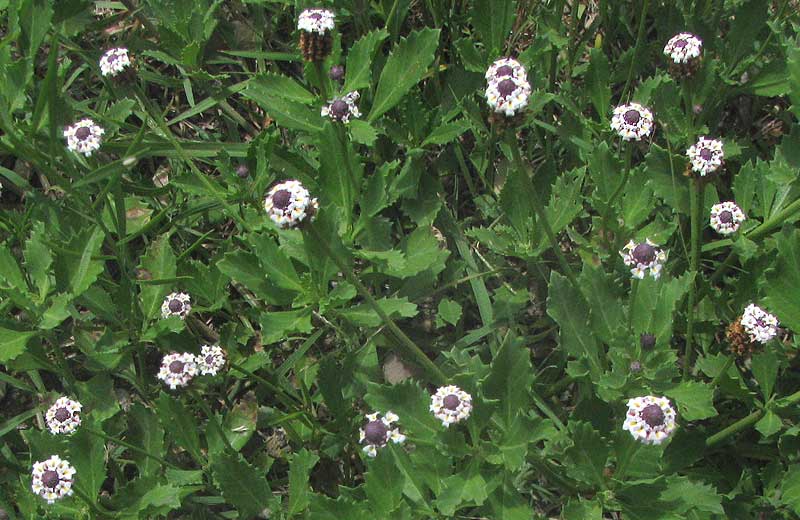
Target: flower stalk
[696,192]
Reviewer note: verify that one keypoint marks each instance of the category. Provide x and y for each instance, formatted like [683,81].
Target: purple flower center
[451,402]
[706,154]
[336,73]
[680,44]
[653,415]
[632,117]
[82,133]
[647,341]
[113,57]
[62,414]
[50,479]
[176,367]
[209,359]
[375,432]
[281,199]
[339,109]
[726,217]
[644,253]
[505,70]
[316,16]
[506,87]
[175,305]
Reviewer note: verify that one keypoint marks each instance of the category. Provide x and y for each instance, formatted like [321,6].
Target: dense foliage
[562,275]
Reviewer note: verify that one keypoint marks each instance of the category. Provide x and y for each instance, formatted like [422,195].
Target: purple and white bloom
[64,416]
[508,95]
[177,369]
[726,217]
[316,20]
[760,325]
[706,156]
[52,478]
[643,257]
[450,405]
[650,419]
[683,47]
[211,359]
[83,137]
[289,203]
[632,121]
[504,68]
[343,108]
[377,432]
[176,304]
[114,61]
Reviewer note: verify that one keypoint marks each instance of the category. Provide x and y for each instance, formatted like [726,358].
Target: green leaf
[278,267]
[340,168]
[83,270]
[449,311]
[13,342]
[239,425]
[790,488]
[180,423]
[9,270]
[695,400]
[146,433]
[383,484]
[282,86]
[405,67]
[598,82]
[287,113]
[241,484]
[57,312]
[770,424]
[414,487]
[566,306]
[87,454]
[793,67]
[783,282]
[363,315]
[765,368]
[275,326]
[360,60]
[655,305]
[410,402]
[243,267]
[694,496]
[506,503]
[604,300]
[94,394]
[509,379]
[362,132]
[493,20]
[299,470]
[159,261]
[38,259]
[587,455]
[515,201]
[447,132]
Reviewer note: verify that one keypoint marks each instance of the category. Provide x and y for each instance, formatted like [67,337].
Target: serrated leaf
[405,67]
[510,378]
[160,263]
[12,343]
[299,490]
[87,454]
[493,20]
[83,270]
[282,86]
[285,112]
[447,132]
[598,82]
[148,434]
[383,484]
[362,132]
[790,488]
[275,326]
[784,281]
[360,60]
[278,267]
[587,455]
[449,311]
[363,315]
[695,400]
[770,424]
[180,423]
[765,369]
[241,484]
[38,259]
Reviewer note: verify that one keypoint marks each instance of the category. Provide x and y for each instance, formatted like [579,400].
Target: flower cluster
[114,61]
[760,325]
[683,47]
[176,304]
[316,21]
[211,359]
[726,217]
[632,121]
[83,137]
[450,405]
[706,156]
[507,89]
[64,416]
[315,27]
[650,419]
[343,108]
[642,258]
[288,204]
[52,478]
[177,369]
[378,431]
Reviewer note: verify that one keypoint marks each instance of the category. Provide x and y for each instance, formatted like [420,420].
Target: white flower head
[726,217]
[289,203]
[760,325]
[450,405]
[632,121]
[343,108]
[378,431]
[83,137]
[176,304]
[642,258]
[508,95]
[64,416]
[177,369]
[52,478]
[316,20]
[706,156]
[506,67]
[683,47]
[114,61]
[211,359]
[650,419]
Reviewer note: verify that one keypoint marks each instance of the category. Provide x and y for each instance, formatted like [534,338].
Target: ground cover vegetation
[399,259]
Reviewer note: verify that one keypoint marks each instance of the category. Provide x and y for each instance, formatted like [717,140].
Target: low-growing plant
[356,259]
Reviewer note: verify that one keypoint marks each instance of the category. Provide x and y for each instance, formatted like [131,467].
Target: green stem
[436,375]
[695,203]
[715,381]
[323,88]
[639,38]
[131,447]
[541,216]
[632,303]
[745,422]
